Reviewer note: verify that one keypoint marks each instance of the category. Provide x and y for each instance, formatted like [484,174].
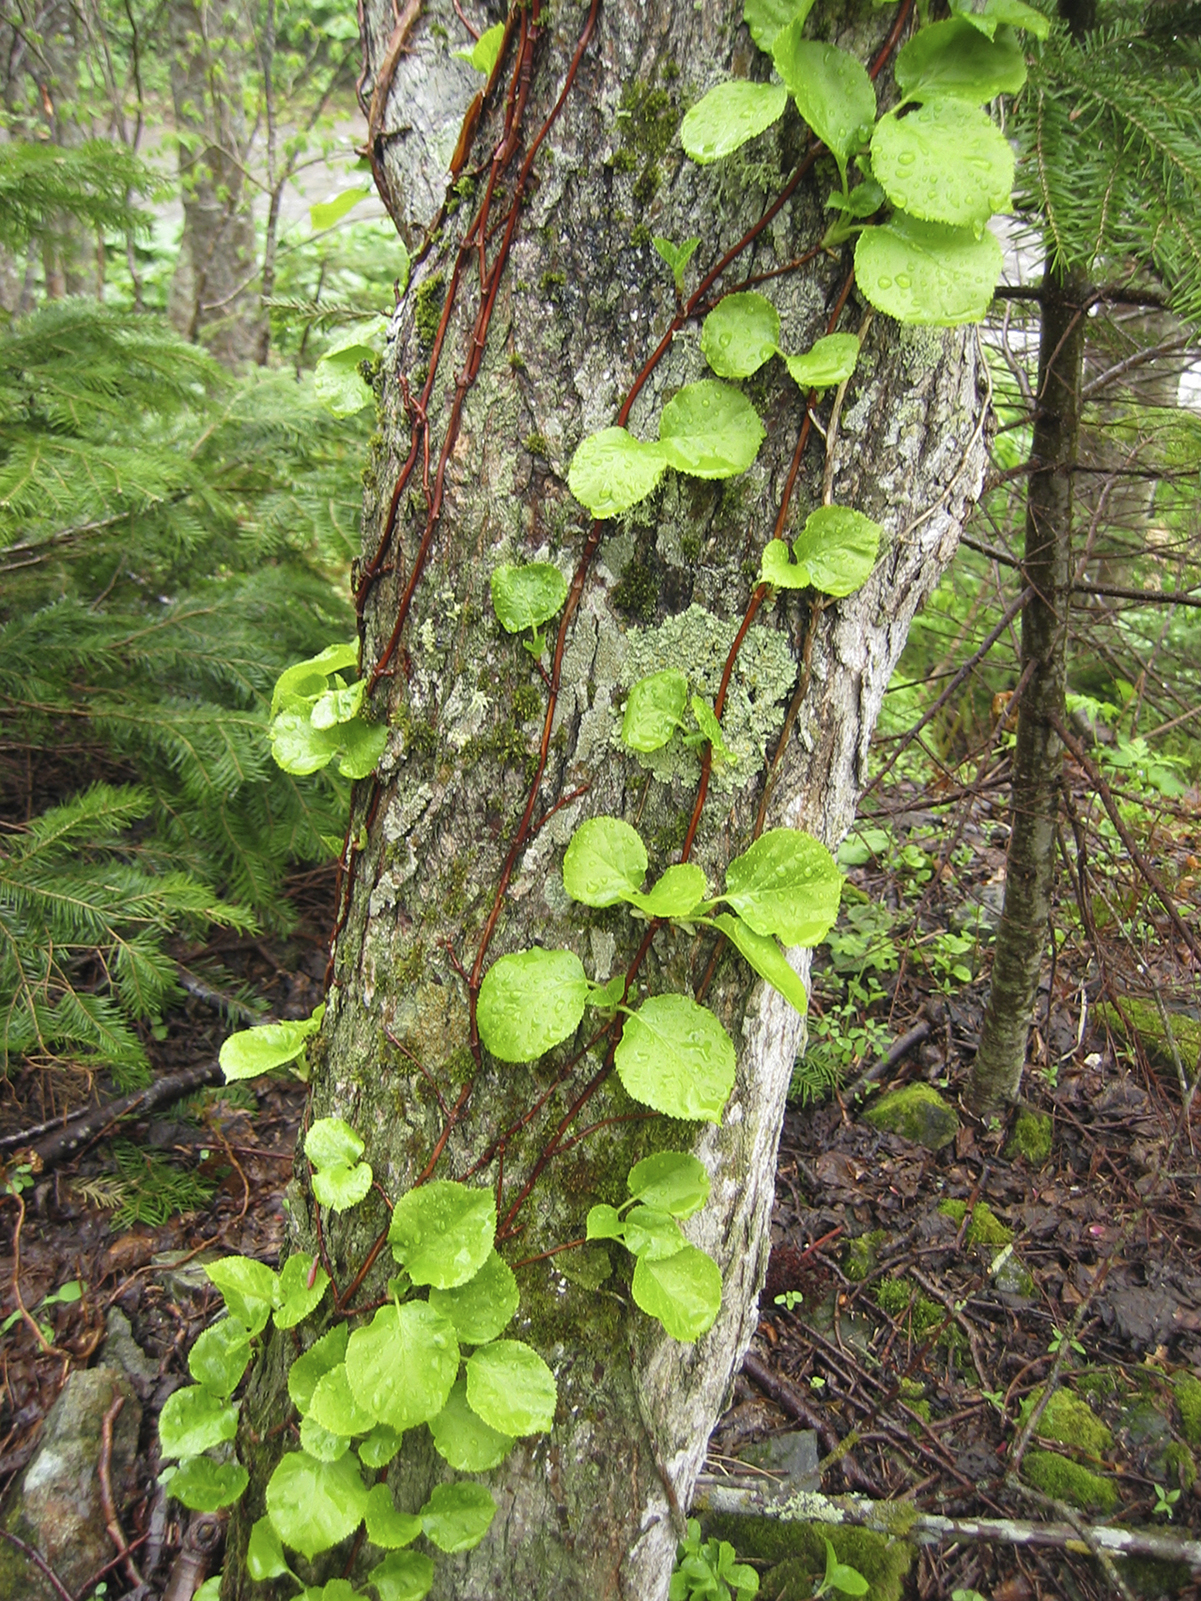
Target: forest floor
[922,1297]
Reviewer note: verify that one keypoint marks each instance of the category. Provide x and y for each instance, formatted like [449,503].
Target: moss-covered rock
[1070,1421]
[985,1228]
[1154,1579]
[1188,1401]
[1031,1137]
[1181,1465]
[1065,1480]
[1145,1021]
[918,1113]
[897,1298]
[861,1255]
[798,1552]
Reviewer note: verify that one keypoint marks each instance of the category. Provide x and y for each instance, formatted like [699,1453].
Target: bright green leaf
[841,1576]
[331,1140]
[403,1364]
[671,1181]
[829,362]
[530,1001]
[706,721]
[604,1223]
[295,1296]
[652,1233]
[678,892]
[220,1357]
[380,1446]
[386,1527]
[458,1516]
[362,746]
[955,60]
[343,1185]
[995,12]
[203,1485]
[327,213]
[298,747]
[192,1420]
[683,1291]
[210,1590]
[710,430]
[605,862]
[487,49]
[728,116]
[442,1232]
[945,162]
[463,1439]
[248,1287]
[335,1406]
[511,1388]
[338,705]
[837,549]
[740,334]
[925,272]
[322,1443]
[786,884]
[340,387]
[264,1553]
[765,957]
[776,569]
[321,1357]
[252,1051]
[676,256]
[527,596]
[612,471]
[832,90]
[767,19]
[654,708]
[314,1505]
[675,1056]
[864,199]
[299,685]
[403,1576]
[482,1307]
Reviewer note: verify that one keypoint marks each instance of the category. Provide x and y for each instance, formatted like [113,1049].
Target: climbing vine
[916,188]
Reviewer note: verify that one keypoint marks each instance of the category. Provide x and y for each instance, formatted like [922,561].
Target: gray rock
[57,1507]
[792,1455]
[122,1351]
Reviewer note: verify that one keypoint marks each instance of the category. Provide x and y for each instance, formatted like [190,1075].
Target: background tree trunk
[594,1509]
[1038,753]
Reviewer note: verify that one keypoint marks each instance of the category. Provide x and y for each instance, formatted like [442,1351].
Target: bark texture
[1038,754]
[594,1509]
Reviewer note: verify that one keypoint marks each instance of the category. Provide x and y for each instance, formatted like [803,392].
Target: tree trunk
[449,825]
[1038,756]
[215,290]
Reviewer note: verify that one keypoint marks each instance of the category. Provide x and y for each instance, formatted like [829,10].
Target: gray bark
[1038,752]
[593,1510]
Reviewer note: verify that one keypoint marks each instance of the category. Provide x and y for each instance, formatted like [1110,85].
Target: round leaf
[264,1553]
[728,116]
[314,1505]
[299,748]
[672,1181]
[776,569]
[320,1358]
[380,1446]
[403,1576]
[331,1140]
[832,90]
[710,430]
[322,1443]
[925,272]
[653,1234]
[300,684]
[605,862]
[463,1439]
[829,362]
[525,597]
[511,1388]
[765,957]
[299,1290]
[786,884]
[203,1485]
[530,1001]
[612,471]
[837,549]
[252,1051]
[403,1364]
[680,891]
[386,1527]
[482,1307]
[219,1357]
[767,19]
[338,705]
[194,1419]
[604,1223]
[341,1186]
[362,746]
[249,1289]
[740,334]
[955,60]
[675,1057]
[338,384]
[683,1291]
[443,1232]
[654,708]
[946,162]
[458,1516]
[335,1407]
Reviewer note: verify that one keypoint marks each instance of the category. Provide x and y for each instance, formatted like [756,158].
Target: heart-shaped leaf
[945,162]
[832,90]
[710,430]
[386,1527]
[482,1307]
[652,1233]
[402,1365]
[299,1289]
[767,19]
[612,471]
[653,711]
[675,1056]
[458,1516]
[954,60]
[403,1576]
[320,1358]
[220,1357]
[462,1437]
[830,361]
[530,1001]
[192,1420]
[740,334]
[314,1505]
[252,1051]
[683,1291]
[671,1181]
[442,1232]
[203,1485]
[787,884]
[678,892]
[527,596]
[248,1287]
[511,1388]
[837,549]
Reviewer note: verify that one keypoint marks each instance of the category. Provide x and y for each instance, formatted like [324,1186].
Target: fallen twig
[64,1142]
[112,1521]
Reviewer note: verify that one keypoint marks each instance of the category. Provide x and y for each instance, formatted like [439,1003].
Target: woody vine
[916,188]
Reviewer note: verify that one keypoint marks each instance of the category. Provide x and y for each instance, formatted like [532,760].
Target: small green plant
[839,1576]
[790,1300]
[1057,1339]
[1165,1501]
[66,1295]
[709,1571]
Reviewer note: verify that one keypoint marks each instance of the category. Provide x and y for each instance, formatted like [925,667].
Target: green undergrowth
[985,1227]
[797,1554]
[1143,1020]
